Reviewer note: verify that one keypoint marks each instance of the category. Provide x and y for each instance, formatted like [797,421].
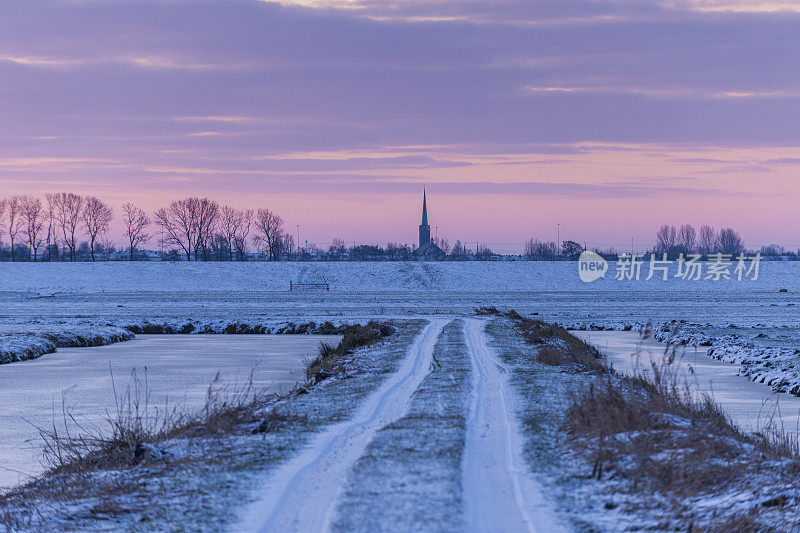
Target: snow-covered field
[741,322]
[227,291]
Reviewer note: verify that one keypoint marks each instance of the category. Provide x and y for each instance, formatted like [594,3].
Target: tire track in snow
[301,494]
[499,492]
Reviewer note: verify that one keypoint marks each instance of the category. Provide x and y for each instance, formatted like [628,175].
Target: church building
[428,250]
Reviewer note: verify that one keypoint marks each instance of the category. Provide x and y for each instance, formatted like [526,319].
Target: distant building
[427,248]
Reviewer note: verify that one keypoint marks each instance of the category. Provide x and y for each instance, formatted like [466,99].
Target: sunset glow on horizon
[609,118]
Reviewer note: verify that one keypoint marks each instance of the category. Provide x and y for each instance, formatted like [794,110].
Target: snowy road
[499,494]
[301,495]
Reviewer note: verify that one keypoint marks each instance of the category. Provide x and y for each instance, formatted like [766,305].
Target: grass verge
[653,452]
[555,346]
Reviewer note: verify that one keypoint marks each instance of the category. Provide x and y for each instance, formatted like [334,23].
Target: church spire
[424,208]
[424,228]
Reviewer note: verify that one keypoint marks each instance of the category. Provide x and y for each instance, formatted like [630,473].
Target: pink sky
[610,118]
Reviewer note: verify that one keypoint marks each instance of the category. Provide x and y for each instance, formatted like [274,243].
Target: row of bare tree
[671,240]
[198,227]
[65,215]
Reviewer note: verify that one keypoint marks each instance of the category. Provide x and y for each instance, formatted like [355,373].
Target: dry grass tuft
[557,346]
[329,360]
[71,448]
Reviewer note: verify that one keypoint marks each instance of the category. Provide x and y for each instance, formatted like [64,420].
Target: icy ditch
[176,369]
[766,352]
[749,404]
[22,342]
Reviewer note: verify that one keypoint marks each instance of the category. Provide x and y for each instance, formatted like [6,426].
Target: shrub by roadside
[555,346]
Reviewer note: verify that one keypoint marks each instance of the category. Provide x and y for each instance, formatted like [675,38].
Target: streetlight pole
[558,237]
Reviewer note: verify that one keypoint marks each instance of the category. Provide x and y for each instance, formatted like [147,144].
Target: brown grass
[71,448]
[329,361]
[557,346]
[655,433]
[654,437]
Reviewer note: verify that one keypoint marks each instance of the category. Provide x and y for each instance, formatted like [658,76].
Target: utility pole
[631,247]
[558,237]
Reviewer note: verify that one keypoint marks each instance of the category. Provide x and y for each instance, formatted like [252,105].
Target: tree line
[670,240]
[71,227]
[200,228]
[686,240]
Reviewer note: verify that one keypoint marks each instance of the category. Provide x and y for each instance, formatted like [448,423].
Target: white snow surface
[748,323]
[302,494]
[500,492]
[52,279]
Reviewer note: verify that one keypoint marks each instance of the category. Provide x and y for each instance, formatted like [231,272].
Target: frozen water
[750,405]
[179,370]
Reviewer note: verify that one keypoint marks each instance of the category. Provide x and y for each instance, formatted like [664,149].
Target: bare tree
[15,220]
[665,238]
[687,238]
[227,226]
[33,215]
[136,222]
[3,204]
[270,231]
[460,251]
[286,243]
[730,242]
[535,249]
[206,214]
[243,224]
[708,240]
[107,248]
[68,210]
[338,247]
[231,225]
[443,244]
[179,222]
[97,216]
[52,225]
